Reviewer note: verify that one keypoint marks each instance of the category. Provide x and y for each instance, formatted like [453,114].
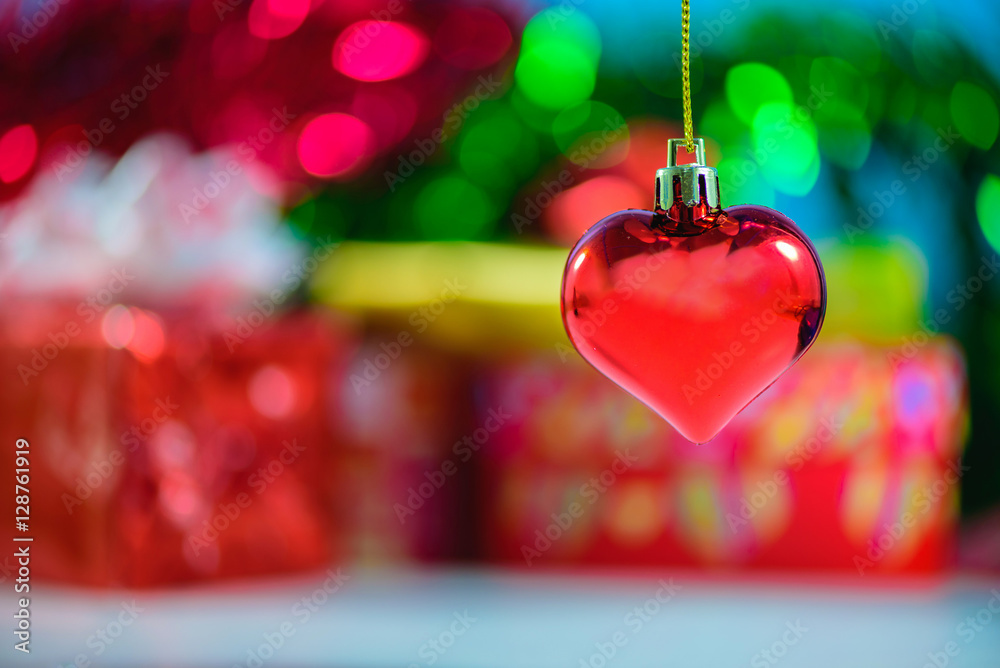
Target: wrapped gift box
[167,450]
[400,412]
[849,462]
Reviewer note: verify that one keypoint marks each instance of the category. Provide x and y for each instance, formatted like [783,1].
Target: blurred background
[279,319]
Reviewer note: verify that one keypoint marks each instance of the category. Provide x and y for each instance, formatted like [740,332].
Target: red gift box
[400,416]
[849,462]
[168,448]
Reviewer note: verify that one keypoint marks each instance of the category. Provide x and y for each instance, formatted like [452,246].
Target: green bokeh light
[555,26]
[452,207]
[586,123]
[318,216]
[975,114]
[497,149]
[785,147]
[988,209]
[555,74]
[536,117]
[750,86]
[740,181]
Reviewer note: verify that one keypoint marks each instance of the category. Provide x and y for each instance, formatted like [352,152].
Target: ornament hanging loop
[687,193]
[696,146]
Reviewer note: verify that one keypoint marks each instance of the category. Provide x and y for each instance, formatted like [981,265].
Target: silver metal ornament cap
[687,192]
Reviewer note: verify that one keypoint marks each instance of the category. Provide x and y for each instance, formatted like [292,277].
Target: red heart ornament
[696,313]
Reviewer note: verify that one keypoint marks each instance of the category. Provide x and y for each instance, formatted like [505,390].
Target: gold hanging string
[686,73]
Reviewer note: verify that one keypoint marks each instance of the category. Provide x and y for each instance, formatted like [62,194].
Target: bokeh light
[335,145]
[555,75]
[975,114]
[785,147]
[575,210]
[749,86]
[272,392]
[274,19]
[452,207]
[741,182]
[379,50]
[18,150]
[496,148]
[118,326]
[988,209]
[592,135]
[558,63]
[557,26]
[147,339]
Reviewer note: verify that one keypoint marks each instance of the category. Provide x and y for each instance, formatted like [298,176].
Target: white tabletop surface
[501,618]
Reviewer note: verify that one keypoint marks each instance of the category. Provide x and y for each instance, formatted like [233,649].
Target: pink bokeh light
[336,145]
[379,50]
[18,150]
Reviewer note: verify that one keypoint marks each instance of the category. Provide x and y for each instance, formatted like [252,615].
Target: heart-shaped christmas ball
[692,309]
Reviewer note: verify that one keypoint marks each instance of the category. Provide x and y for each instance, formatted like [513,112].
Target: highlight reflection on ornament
[693,309]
